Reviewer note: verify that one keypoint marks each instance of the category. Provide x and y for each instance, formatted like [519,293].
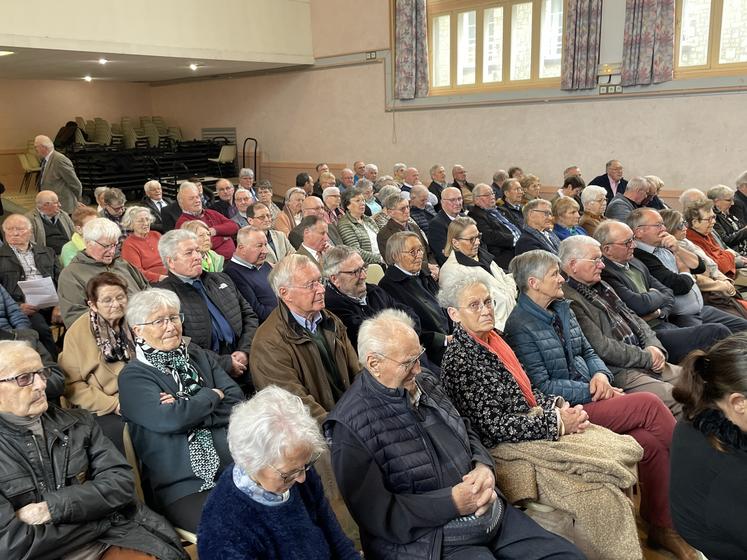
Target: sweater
[142,253]
[234,526]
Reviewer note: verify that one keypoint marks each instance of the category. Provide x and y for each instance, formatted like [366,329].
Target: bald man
[58,174]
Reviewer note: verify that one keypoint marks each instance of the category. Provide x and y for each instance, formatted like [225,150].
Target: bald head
[312,206]
[17,231]
[412,176]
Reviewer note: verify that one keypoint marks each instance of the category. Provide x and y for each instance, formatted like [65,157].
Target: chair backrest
[81,123]
[375,273]
[24,163]
[227,153]
[133,461]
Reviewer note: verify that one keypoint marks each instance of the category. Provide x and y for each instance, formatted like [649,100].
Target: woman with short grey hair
[728,226]
[140,248]
[176,400]
[291,215]
[271,503]
[211,261]
[381,217]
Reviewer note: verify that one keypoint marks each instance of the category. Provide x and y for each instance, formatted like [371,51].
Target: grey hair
[246,172]
[371,167]
[396,244]
[329,191]
[269,425]
[10,348]
[533,204]
[592,192]
[719,192]
[98,191]
[243,190]
[602,233]
[451,292]
[100,228]
[242,237]
[186,185]
[282,273]
[194,226]
[575,247]
[21,217]
[689,196]
[293,190]
[114,195]
[434,168]
[142,305]
[132,212]
[375,334]
[398,167]
[45,141]
[500,176]
[363,184]
[386,191]
[482,187]
[334,257]
[532,264]
[636,218]
[169,242]
[393,199]
[638,184]
[146,186]
[741,180]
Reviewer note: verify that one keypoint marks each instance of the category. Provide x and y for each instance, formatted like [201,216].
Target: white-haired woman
[140,249]
[291,215]
[211,261]
[594,199]
[176,400]
[271,503]
[730,228]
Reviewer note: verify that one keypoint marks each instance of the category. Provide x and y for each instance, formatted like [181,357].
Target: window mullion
[479,44]
[536,38]
[507,15]
[717,12]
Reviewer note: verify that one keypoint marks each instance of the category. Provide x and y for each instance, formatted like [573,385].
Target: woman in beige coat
[97,347]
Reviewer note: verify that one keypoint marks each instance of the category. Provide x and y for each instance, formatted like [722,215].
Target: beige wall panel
[349,26]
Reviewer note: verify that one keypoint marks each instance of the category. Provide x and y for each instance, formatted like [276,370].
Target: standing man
[49,226]
[57,174]
[612,180]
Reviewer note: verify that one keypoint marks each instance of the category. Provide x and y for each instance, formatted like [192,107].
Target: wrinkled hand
[653,315]
[56,315]
[600,387]
[167,398]
[575,419]
[34,514]
[219,392]
[28,309]
[669,241]
[658,358]
[237,367]
[434,271]
[476,492]
[213,233]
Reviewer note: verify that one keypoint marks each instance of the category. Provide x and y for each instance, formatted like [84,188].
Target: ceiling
[37,64]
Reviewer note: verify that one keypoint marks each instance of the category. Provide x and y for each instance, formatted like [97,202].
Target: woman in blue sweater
[257,511]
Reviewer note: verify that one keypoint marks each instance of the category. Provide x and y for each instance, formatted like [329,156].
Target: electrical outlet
[371,55]
[602,90]
[618,89]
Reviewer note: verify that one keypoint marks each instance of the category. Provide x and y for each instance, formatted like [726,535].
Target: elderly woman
[531,185]
[407,283]
[372,205]
[657,184]
[97,347]
[77,498]
[565,210]
[700,219]
[594,199]
[81,216]
[211,261]
[381,217]
[428,488]
[291,215]
[100,255]
[358,230]
[264,195]
[271,503]
[176,401]
[140,249]
[488,385]
[709,450]
[332,204]
[547,339]
[731,230]
[466,256]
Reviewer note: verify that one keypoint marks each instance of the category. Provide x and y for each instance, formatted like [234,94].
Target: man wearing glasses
[651,300]
[636,194]
[538,224]
[451,208]
[499,234]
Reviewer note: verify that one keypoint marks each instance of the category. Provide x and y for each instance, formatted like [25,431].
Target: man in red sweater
[222,230]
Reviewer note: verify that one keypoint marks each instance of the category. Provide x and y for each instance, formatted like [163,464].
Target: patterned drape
[411,49]
[582,36]
[648,50]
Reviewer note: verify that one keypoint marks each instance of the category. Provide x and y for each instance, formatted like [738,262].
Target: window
[711,37]
[498,44]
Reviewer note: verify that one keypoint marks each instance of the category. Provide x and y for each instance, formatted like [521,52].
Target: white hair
[592,192]
[142,305]
[246,172]
[329,191]
[451,292]
[375,335]
[689,196]
[152,183]
[132,212]
[282,273]
[100,228]
[741,180]
[262,430]
[169,243]
[532,264]
[575,247]
[10,349]
[372,167]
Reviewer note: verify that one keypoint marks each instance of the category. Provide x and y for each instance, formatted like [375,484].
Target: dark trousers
[711,314]
[519,538]
[40,325]
[185,513]
[679,341]
[645,417]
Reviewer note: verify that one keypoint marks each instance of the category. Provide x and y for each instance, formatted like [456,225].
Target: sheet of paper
[40,293]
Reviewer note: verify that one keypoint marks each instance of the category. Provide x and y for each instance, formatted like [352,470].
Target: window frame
[453,8]
[712,67]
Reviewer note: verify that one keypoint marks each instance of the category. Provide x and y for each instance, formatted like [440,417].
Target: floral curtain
[411,49]
[582,36]
[648,49]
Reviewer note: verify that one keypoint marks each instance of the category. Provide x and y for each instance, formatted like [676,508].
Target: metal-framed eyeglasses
[407,365]
[161,322]
[293,475]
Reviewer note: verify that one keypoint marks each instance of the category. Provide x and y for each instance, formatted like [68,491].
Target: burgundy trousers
[645,417]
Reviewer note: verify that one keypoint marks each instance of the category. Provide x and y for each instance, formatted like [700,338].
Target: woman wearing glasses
[466,256]
[271,503]
[97,347]
[176,401]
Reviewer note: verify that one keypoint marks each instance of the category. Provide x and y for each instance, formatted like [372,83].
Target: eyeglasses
[116,208]
[658,225]
[111,302]
[627,242]
[471,240]
[26,379]
[478,306]
[163,321]
[357,271]
[407,365]
[261,217]
[547,213]
[55,203]
[293,475]
[402,209]
[415,252]
[597,261]
[457,199]
[681,225]
[106,247]
[708,219]
[313,285]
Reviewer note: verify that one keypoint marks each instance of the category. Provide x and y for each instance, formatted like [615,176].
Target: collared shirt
[403,270]
[310,325]
[613,185]
[248,486]
[242,262]
[311,251]
[26,258]
[51,219]
[160,204]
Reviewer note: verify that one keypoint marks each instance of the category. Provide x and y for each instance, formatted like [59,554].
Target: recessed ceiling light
[103,61]
[88,78]
[6,53]
[193,67]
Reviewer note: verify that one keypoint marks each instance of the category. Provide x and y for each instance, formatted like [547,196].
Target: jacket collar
[54,419]
[545,315]
[296,332]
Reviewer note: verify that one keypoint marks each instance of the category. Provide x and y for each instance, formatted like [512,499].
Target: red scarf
[504,353]
[724,259]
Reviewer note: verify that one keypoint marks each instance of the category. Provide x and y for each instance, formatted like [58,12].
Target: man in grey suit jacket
[278,246]
[57,174]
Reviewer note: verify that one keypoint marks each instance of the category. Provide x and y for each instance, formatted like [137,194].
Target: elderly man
[499,179]
[371,172]
[460,182]
[360,168]
[20,260]
[398,173]
[571,171]
[313,206]
[537,232]
[510,204]
[243,201]
[438,181]
[249,270]
[114,208]
[259,217]
[674,266]
[314,231]
[50,227]
[301,346]
[423,467]
[572,187]
[646,296]
[739,210]
[635,195]
[331,197]
[216,317]
[100,255]
[347,179]
[57,174]
[451,208]
[222,229]
[398,210]
[411,178]
[156,202]
[225,203]
[246,181]
[77,497]
[420,209]
[499,234]
[612,181]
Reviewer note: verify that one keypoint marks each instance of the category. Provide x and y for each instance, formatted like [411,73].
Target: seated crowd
[412,369]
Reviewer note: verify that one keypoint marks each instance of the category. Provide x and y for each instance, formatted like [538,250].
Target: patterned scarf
[624,325]
[115,345]
[203,457]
